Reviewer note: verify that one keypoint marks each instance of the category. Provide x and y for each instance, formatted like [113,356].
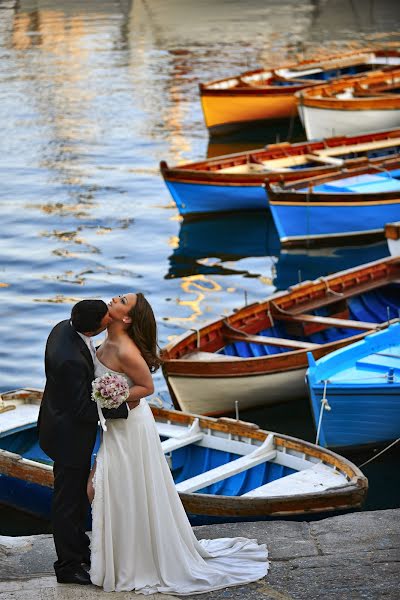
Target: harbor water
[93,95]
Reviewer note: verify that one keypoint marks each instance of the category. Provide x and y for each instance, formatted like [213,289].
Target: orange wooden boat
[258,355]
[268,94]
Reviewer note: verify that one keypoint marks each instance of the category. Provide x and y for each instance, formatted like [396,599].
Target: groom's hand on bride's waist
[133,404]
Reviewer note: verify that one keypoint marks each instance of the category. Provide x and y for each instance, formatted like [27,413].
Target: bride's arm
[136,368]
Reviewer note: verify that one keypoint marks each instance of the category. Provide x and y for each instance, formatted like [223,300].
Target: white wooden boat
[351,105]
[257,355]
[221,467]
[392,233]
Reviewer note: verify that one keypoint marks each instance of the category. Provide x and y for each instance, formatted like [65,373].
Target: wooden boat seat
[326,160]
[244,169]
[23,416]
[309,481]
[205,356]
[272,341]
[328,321]
[263,453]
[189,436]
[331,296]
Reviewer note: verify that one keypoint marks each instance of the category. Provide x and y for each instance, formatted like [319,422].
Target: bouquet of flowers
[110,390]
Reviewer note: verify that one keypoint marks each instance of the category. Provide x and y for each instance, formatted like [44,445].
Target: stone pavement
[353,556]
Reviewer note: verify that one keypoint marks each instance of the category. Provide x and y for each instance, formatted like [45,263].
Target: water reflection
[223,244]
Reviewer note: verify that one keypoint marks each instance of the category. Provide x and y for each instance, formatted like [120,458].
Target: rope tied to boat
[391,378]
[324,406]
[329,289]
[379,453]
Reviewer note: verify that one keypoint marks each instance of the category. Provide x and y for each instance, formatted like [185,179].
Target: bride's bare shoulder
[128,350]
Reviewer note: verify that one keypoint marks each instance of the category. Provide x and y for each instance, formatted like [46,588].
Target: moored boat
[350,106]
[258,354]
[392,234]
[347,205]
[268,94]
[355,391]
[222,468]
[234,182]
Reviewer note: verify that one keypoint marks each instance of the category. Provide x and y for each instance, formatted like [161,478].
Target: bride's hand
[133,404]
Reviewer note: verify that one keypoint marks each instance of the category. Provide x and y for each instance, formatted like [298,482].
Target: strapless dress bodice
[100,369]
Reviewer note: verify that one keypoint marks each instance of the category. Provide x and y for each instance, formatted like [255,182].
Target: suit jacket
[68,417]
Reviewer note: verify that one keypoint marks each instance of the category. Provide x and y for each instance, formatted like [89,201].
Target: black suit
[67,433]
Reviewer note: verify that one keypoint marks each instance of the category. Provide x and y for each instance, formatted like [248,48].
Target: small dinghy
[355,391]
[222,467]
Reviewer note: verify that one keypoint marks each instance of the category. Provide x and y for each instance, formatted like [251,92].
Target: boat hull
[229,112]
[217,395]
[300,221]
[357,418]
[326,122]
[198,198]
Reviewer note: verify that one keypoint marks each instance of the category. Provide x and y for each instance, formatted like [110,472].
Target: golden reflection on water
[173,242]
[199,285]
[59,299]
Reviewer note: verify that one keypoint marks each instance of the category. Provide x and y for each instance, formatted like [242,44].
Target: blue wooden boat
[348,205]
[222,467]
[234,182]
[355,391]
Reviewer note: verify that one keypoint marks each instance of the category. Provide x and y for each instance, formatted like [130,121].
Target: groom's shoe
[85,564]
[78,575]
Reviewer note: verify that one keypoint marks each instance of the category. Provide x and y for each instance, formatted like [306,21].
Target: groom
[67,431]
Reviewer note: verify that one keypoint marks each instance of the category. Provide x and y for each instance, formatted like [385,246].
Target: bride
[142,540]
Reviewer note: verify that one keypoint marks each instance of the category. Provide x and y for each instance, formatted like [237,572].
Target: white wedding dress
[142,540]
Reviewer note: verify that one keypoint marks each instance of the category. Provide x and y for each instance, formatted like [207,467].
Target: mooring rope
[379,453]
[324,405]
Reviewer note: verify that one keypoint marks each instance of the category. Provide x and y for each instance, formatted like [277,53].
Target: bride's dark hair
[143,331]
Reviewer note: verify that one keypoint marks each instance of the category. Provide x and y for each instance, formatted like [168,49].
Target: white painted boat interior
[315,479]
[19,417]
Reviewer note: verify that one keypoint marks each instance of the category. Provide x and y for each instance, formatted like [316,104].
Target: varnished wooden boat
[258,355]
[222,468]
[234,182]
[392,234]
[350,106]
[348,205]
[268,94]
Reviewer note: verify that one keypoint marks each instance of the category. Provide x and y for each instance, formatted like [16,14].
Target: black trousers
[69,516]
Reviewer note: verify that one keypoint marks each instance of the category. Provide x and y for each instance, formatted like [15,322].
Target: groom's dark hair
[87,315]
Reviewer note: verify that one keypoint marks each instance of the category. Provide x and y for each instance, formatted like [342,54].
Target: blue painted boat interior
[375,306]
[193,460]
[388,181]
[333,73]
